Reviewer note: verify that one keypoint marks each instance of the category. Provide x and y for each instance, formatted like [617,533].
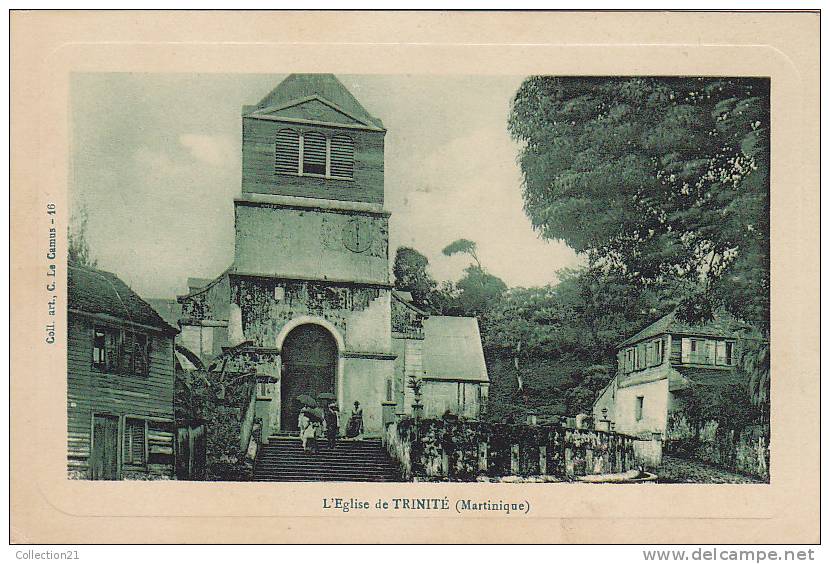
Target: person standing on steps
[355,426]
[332,421]
[309,424]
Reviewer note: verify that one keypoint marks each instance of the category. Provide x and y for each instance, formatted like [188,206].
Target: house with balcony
[656,366]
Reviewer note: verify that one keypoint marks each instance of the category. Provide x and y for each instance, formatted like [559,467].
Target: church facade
[307,303]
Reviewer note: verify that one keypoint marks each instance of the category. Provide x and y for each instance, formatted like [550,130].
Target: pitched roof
[299,86]
[721,326]
[99,292]
[452,349]
[169,309]
[405,298]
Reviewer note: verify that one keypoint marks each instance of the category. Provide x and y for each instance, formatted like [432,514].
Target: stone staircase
[283,460]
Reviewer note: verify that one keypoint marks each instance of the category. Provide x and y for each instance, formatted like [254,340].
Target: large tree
[477,290]
[660,178]
[554,347]
[411,271]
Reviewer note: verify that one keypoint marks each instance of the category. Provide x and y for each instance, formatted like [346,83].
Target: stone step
[283,459]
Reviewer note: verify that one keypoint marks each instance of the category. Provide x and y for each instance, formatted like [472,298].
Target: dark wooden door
[309,366]
[104,459]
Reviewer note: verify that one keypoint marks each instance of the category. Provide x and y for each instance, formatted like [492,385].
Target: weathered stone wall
[744,450]
[461,450]
[360,314]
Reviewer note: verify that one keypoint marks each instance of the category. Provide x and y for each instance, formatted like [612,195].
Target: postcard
[414,277]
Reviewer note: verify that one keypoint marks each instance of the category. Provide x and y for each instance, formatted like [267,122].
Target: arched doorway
[309,366]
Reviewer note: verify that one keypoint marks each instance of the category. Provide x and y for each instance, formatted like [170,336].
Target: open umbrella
[306,400]
[315,414]
[326,396]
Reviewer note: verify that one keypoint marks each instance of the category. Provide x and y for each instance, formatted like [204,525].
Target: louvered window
[342,156]
[314,153]
[288,151]
[134,441]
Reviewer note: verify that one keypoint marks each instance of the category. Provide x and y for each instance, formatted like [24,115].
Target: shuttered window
[141,361]
[105,349]
[318,155]
[134,441]
[287,151]
[342,156]
[314,153]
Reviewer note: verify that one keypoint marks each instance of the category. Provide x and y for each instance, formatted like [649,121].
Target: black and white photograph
[312,277]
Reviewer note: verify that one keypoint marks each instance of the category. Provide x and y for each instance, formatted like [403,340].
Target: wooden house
[120,378]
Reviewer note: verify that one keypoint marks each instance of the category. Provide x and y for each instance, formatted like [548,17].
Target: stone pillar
[657,448]
[569,463]
[514,460]
[482,456]
[543,460]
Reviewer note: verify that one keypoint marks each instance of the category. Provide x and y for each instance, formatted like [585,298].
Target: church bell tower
[310,276]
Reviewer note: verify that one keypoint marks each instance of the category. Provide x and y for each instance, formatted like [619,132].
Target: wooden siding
[90,391]
[258,165]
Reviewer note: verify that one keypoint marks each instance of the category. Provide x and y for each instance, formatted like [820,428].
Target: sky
[156,162]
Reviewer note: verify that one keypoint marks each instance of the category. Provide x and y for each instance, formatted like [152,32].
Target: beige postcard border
[48,46]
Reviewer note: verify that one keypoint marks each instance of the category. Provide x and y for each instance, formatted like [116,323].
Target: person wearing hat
[332,420]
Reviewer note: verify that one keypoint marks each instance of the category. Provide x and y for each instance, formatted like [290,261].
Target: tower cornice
[311,204]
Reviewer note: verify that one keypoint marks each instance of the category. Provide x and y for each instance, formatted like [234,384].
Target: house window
[312,153]
[288,151]
[105,349]
[638,408]
[114,350]
[134,353]
[657,354]
[389,390]
[135,441]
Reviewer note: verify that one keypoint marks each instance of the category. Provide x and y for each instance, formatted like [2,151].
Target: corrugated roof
[452,349]
[721,326]
[99,292]
[299,86]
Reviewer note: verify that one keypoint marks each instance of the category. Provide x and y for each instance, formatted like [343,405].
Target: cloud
[214,150]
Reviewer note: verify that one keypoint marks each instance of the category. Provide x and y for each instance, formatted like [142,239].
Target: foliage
[416,384]
[463,246]
[203,396]
[728,404]
[411,274]
[78,250]
[754,365]
[478,291]
[661,178]
[553,348]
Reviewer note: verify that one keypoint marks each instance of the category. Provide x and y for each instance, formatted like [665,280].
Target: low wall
[745,450]
[461,450]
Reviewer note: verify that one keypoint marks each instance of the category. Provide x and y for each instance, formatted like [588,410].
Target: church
[308,304]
